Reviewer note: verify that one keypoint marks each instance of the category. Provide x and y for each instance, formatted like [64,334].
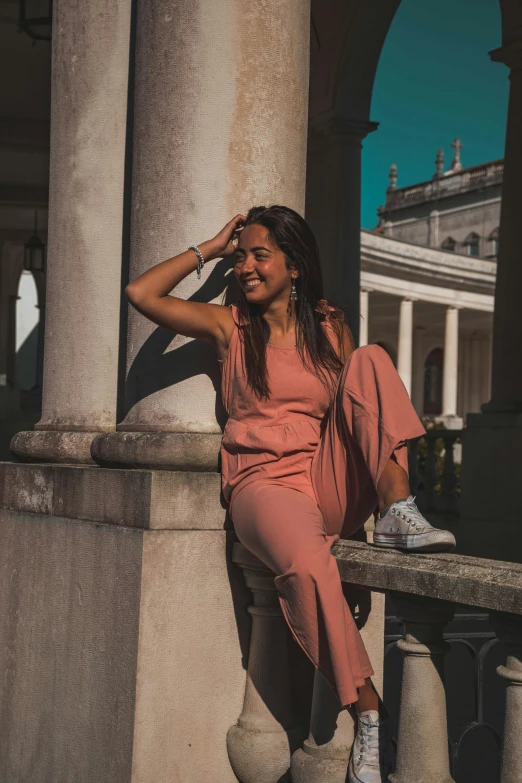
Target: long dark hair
[292,234]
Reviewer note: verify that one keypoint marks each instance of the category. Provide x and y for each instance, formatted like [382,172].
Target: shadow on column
[154,369]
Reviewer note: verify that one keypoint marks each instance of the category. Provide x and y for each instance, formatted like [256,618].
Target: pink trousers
[369,421]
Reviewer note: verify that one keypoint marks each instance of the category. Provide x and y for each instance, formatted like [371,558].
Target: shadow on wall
[154,368]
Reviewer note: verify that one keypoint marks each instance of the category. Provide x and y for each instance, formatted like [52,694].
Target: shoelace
[413,511]
[368,744]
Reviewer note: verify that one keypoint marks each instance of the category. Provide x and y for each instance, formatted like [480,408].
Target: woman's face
[260,267]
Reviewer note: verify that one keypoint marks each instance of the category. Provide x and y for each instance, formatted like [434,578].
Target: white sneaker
[404,527]
[364,765]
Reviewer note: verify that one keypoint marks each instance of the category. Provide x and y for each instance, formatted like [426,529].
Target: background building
[432,308]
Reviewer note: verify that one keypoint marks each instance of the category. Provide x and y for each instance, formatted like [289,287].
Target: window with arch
[493,243]
[471,244]
[449,244]
[433,382]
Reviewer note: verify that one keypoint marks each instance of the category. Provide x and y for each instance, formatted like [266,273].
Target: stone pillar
[261,744]
[405,342]
[90,64]
[417,391]
[333,206]
[422,746]
[508,628]
[364,317]
[507,324]
[492,443]
[450,371]
[209,142]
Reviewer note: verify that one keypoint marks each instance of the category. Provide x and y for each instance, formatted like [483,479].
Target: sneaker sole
[442,541]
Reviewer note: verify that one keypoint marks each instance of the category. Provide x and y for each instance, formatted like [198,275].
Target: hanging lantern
[35,19]
[34,251]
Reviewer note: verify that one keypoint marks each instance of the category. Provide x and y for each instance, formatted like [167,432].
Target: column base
[157,450]
[53,446]
[491,479]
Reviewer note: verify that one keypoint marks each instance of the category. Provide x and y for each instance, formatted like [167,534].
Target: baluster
[422,748]
[508,628]
[324,755]
[431,478]
[260,745]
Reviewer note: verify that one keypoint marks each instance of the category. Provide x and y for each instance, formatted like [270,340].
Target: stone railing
[267,746]
[434,462]
[450,183]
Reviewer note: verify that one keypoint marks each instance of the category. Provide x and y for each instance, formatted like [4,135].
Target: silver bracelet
[201,260]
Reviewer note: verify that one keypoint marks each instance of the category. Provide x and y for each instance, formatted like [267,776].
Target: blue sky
[435,81]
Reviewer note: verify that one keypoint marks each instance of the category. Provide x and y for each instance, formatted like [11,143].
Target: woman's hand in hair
[150,293]
[224,243]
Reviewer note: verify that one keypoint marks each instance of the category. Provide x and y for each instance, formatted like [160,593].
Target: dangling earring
[292,298]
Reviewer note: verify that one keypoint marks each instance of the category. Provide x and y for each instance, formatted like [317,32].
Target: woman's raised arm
[150,292]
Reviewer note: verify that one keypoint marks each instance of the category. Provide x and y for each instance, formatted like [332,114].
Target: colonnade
[133,184]
[410,354]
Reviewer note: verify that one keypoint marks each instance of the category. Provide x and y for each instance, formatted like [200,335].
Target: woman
[315,440]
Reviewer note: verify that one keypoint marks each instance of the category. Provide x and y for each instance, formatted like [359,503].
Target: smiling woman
[315,437]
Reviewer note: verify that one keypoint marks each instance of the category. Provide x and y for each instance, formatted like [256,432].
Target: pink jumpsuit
[300,471]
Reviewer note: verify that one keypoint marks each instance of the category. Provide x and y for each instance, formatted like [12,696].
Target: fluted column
[422,747]
[90,64]
[450,372]
[364,317]
[216,131]
[508,628]
[260,745]
[405,342]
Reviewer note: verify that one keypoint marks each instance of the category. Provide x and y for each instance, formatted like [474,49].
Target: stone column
[508,628]
[417,391]
[90,64]
[333,206]
[405,342]
[261,744]
[220,124]
[507,324]
[450,372]
[492,442]
[422,746]
[364,317]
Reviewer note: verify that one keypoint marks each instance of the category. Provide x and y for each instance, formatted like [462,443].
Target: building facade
[428,281]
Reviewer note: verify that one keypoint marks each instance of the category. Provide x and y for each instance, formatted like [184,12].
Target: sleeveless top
[272,439]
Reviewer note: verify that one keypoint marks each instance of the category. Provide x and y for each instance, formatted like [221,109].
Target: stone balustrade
[424,589]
